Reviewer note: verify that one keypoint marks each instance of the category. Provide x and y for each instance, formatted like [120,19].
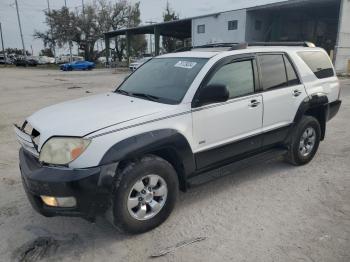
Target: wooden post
[127,35]
[156,40]
[107,49]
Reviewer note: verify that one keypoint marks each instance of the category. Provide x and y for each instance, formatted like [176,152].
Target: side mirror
[214,93]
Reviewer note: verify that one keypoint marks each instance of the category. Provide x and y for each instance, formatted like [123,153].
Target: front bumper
[90,187]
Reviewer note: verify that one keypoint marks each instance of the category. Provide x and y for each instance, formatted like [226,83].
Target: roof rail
[284,43]
[229,46]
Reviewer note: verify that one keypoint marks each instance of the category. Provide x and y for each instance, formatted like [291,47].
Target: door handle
[296,93]
[254,103]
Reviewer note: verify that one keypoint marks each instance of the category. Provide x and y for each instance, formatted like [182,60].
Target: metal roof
[182,28]
[177,28]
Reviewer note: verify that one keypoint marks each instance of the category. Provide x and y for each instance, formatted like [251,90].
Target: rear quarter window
[318,62]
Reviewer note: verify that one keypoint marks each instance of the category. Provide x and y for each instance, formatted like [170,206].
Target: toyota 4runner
[178,117]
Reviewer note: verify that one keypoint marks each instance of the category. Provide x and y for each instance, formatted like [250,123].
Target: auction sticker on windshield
[185,64]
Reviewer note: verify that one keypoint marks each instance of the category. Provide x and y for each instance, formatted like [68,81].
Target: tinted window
[319,63]
[291,74]
[273,72]
[238,78]
[201,29]
[165,80]
[232,25]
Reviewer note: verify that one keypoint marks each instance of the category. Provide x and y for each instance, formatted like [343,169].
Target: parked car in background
[28,61]
[5,60]
[66,59]
[43,60]
[133,66]
[78,65]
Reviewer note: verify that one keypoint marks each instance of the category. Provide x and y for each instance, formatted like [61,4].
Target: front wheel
[145,194]
[305,141]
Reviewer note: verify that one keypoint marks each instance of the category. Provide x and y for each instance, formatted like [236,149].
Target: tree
[169,43]
[46,52]
[16,51]
[85,28]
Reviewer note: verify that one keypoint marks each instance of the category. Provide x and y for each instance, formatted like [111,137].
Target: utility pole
[70,42]
[52,44]
[82,4]
[2,43]
[20,30]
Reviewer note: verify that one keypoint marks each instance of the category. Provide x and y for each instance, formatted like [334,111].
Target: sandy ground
[266,212]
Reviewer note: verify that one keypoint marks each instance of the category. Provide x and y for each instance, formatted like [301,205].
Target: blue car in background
[78,65]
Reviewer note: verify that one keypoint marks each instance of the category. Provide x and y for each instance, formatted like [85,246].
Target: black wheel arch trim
[155,142]
[314,103]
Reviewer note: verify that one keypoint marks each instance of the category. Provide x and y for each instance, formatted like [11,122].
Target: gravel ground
[266,212]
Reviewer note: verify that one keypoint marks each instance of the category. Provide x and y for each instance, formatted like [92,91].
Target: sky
[32,15]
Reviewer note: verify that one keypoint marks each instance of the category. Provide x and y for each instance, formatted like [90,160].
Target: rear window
[318,62]
[273,71]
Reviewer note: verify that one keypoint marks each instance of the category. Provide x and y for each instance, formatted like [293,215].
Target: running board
[228,169]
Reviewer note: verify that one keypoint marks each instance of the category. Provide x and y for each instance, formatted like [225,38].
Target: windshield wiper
[120,91]
[149,97]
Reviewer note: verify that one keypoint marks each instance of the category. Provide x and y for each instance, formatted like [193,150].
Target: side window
[232,25]
[318,62]
[201,29]
[273,72]
[237,76]
[291,74]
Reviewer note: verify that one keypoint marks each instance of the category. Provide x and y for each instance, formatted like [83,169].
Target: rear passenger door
[282,95]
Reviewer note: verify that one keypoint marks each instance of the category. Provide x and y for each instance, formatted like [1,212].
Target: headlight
[63,150]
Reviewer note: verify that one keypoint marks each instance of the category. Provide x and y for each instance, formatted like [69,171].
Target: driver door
[224,130]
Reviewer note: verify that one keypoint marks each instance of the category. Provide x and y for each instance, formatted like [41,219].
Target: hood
[85,115]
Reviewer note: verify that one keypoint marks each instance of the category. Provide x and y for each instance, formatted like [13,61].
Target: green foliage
[84,29]
[46,52]
[169,43]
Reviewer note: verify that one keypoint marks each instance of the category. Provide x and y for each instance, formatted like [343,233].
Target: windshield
[164,80]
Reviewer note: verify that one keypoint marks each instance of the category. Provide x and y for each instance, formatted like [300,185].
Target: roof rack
[237,46]
[284,43]
[229,46]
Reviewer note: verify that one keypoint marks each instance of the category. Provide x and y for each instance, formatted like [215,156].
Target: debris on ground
[178,245]
[74,87]
[37,249]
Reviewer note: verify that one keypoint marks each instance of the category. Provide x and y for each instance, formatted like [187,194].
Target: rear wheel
[305,141]
[145,194]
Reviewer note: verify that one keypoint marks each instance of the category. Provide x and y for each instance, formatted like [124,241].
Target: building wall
[343,46]
[216,28]
[254,34]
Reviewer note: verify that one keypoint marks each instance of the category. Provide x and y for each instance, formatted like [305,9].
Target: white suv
[177,118]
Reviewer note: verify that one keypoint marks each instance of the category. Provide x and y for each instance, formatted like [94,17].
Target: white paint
[216,28]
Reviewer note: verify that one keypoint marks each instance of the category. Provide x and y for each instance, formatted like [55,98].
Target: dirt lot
[269,212]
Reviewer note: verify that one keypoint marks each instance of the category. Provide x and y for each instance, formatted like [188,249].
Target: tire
[70,69]
[89,68]
[127,187]
[305,141]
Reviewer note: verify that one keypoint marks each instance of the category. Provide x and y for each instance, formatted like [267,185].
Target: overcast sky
[32,16]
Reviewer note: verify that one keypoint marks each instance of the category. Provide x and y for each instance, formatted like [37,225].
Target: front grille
[28,137]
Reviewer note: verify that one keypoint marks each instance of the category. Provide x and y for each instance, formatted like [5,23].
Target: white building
[323,22]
